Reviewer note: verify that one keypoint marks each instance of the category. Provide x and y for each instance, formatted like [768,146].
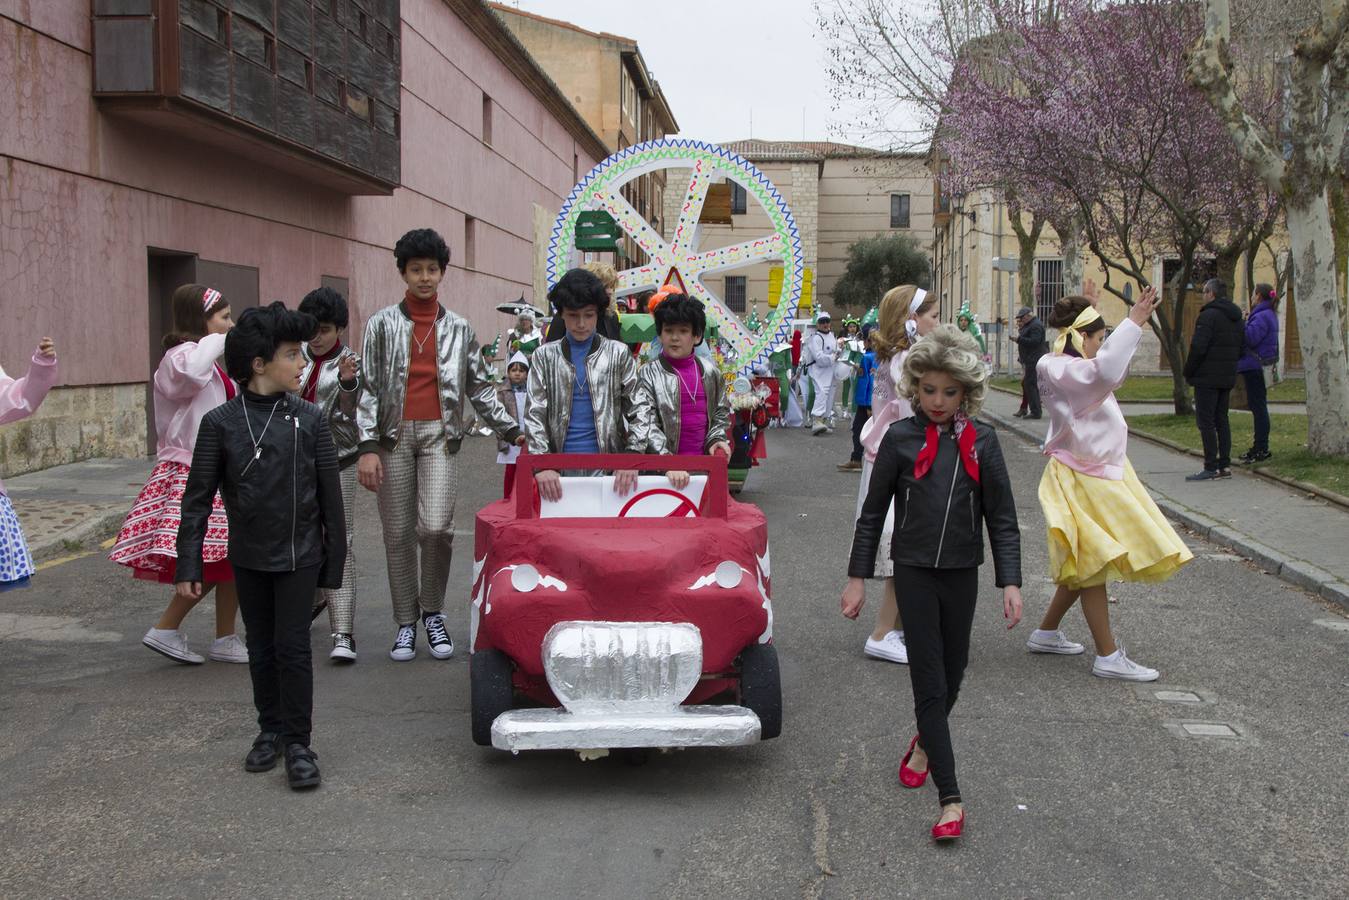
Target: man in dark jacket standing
[1211,368]
[1030,346]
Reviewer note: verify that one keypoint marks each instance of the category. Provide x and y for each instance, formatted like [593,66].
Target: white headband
[209,298]
[910,326]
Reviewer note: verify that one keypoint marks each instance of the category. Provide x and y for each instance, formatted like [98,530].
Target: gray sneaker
[172,643]
[1052,642]
[229,649]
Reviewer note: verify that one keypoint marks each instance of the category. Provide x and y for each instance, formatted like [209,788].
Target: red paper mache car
[603,622]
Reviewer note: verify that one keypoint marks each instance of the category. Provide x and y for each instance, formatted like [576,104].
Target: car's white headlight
[729,573]
[524,578]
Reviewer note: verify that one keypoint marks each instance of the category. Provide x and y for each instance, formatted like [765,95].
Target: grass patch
[1287,441]
[1157,389]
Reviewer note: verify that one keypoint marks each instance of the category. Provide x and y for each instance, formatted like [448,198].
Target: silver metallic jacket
[658,394]
[338,403]
[611,375]
[460,371]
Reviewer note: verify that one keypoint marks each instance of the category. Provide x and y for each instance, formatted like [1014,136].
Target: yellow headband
[1084,318]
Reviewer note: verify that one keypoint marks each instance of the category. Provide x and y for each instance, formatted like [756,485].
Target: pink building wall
[84,195]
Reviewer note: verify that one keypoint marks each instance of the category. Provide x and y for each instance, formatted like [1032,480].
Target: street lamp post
[1011,266]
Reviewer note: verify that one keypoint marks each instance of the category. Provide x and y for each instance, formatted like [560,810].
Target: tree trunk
[1180,391]
[1069,231]
[1318,321]
[1170,326]
[1026,242]
[1339,227]
[1225,269]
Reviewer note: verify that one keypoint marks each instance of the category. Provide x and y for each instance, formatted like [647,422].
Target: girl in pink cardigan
[188,383]
[1103,525]
[19,399]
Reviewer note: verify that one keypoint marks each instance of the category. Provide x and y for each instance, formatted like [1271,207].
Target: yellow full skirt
[1102,530]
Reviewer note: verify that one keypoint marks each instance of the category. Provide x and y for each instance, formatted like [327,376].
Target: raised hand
[46,348]
[1142,310]
[348,367]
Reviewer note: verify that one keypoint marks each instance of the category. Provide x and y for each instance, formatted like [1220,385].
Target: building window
[470,242]
[1048,286]
[739,198]
[486,119]
[899,210]
[735,293]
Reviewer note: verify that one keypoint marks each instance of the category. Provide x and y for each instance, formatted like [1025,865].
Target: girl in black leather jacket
[945,472]
[271,456]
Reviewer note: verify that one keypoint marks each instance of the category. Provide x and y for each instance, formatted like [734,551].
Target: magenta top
[692,405]
[1087,431]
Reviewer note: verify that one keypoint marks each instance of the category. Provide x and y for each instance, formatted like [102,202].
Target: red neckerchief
[230,389]
[311,385]
[964,440]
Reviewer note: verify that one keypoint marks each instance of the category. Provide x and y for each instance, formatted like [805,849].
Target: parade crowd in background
[268,425]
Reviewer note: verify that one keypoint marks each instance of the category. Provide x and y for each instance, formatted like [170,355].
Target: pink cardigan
[186,388]
[1087,431]
[20,398]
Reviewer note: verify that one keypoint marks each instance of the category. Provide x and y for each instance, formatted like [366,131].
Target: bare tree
[1301,164]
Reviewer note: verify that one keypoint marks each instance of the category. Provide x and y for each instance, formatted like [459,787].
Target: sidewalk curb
[1296,572]
[95,528]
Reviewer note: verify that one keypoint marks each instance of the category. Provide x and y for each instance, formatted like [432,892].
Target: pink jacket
[186,388]
[1087,431]
[20,398]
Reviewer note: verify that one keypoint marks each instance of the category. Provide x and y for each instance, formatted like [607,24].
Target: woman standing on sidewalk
[188,384]
[1103,525]
[1256,366]
[906,314]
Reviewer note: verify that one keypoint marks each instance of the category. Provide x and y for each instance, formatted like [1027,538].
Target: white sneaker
[172,643]
[889,648]
[1052,642]
[229,649]
[818,428]
[437,637]
[1122,667]
[405,645]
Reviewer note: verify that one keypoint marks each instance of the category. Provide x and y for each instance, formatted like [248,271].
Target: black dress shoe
[266,750]
[302,767]
[1020,414]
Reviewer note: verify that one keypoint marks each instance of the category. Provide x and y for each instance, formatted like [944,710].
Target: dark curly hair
[421,243]
[327,306]
[681,309]
[258,333]
[578,289]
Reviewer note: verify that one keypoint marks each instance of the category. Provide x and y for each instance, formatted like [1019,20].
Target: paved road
[122,776]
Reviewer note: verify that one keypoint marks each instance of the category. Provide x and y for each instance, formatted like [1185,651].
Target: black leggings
[276,608]
[937,606]
[858,420]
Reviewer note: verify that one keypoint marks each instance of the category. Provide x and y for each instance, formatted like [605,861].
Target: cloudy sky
[723,62]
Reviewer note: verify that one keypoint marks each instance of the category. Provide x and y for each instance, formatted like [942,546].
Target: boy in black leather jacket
[946,474]
[271,456]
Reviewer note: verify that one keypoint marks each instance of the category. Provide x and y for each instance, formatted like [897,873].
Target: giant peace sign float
[643,621]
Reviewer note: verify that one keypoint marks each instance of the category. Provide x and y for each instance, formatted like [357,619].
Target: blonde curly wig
[950,350]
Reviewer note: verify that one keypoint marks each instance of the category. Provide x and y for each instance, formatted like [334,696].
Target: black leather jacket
[284,506]
[937,517]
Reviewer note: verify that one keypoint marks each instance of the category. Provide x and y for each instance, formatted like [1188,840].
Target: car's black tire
[490,691]
[761,687]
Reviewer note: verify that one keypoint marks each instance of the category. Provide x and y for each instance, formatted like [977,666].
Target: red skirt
[148,541]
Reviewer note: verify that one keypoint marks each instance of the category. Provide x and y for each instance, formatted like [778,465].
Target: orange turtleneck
[422,402]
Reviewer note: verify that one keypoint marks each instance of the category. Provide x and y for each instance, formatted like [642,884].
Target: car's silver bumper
[686,726]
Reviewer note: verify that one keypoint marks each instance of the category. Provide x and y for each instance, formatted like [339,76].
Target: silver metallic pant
[416,508]
[342,602]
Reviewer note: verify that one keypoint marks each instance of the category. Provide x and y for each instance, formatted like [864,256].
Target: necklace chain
[692,391]
[257,442]
[421,345]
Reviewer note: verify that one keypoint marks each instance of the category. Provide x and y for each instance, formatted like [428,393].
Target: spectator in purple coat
[1257,365]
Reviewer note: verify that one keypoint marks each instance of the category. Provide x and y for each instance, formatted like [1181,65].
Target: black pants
[1210,412]
[1030,389]
[276,607]
[937,606]
[859,419]
[1256,399]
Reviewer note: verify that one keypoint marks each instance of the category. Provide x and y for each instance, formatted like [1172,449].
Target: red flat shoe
[950,830]
[908,777]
